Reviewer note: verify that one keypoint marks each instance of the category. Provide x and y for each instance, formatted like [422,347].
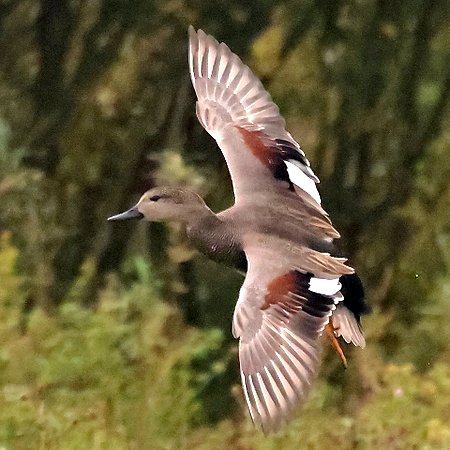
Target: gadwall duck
[296,288]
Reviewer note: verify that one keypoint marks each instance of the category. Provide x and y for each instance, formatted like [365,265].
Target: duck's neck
[216,239]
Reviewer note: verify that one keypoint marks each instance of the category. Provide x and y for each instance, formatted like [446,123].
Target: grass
[132,375]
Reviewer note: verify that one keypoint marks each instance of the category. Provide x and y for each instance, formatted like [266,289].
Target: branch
[96,55]
[54,31]
[55,26]
[418,56]
[402,177]
[5,10]
[300,24]
[433,126]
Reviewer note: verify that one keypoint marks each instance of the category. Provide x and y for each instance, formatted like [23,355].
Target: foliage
[117,376]
[117,335]
[130,374]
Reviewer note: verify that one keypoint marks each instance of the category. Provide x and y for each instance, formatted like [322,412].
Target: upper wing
[281,312]
[237,111]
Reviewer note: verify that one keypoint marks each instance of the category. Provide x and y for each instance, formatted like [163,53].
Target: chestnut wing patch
[291,292]
[273,153]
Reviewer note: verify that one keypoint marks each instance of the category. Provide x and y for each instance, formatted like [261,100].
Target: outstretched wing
[281,312]
[237,111]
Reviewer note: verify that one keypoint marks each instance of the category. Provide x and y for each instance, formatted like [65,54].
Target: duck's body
[219,238]
[276,232]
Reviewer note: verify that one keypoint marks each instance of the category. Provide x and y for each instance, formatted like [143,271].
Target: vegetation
[118,335]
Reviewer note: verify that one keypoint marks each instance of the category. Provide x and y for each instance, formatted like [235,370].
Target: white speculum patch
[300,179]
[324,287]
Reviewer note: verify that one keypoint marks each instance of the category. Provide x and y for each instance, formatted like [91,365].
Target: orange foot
[329,330]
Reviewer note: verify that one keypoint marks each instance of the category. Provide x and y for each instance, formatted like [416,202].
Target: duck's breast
[219,240]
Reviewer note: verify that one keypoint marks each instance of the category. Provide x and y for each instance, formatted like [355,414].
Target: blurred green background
[117,336]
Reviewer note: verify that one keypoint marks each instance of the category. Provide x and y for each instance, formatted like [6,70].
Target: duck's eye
[154,198]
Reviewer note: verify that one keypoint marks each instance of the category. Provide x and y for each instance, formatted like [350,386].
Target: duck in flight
[296,288]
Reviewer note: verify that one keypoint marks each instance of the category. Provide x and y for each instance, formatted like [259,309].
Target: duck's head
[163,204]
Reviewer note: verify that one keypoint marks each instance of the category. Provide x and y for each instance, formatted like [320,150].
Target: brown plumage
[276,231]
